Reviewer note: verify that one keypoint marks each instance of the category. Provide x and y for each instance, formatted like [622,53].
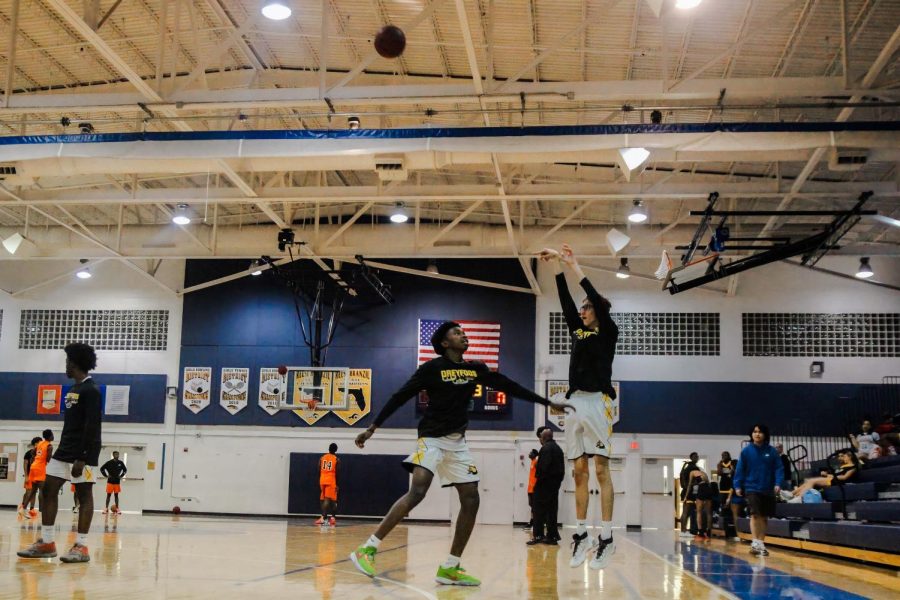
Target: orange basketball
[390,41]
[176,509]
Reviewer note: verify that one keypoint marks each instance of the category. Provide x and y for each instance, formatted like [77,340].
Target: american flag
[484,341]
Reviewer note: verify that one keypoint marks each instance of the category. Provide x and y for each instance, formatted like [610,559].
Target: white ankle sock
[605,530]
[373,541]
[452,561]
[81,539]
[582,527]
[48,532]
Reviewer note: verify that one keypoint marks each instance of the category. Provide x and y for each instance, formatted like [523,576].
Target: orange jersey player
[328,465]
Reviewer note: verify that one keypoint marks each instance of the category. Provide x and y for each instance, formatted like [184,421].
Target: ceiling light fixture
[255,268]
[353,123]
[432,267]
[84,273]
[399,215]
[632,160]
[638,212]
[686,4]
[275,10]
[623,272]
[180,216]
[865,270]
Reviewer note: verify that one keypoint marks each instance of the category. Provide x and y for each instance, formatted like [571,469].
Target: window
[130,330]
[662,334]
[821,334]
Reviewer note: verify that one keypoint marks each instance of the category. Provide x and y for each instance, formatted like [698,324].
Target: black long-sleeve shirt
[450,386]
[593,350]
[114,469]
[551,465]
[80,438]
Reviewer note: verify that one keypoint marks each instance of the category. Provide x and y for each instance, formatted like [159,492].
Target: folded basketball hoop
[683,273]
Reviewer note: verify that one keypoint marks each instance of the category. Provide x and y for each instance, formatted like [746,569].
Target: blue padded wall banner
[252,323]
[147,396]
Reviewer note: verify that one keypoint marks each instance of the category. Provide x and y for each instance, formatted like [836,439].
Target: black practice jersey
[450,386]
[593,350]
[114,470]
[727,476]
[80,438]
[27,459]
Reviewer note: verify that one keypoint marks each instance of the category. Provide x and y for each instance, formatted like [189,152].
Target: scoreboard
[485,401]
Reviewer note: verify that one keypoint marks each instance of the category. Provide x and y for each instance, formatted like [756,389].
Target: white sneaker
[581,547]
[796,500]
[786,495]
[605,550]
[686,534]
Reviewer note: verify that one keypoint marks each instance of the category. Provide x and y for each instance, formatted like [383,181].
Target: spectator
[702,493]
[866,442]
[786,466]
[887,431]
[725,471]
[687,507]
[551,469]
[758,476]
[532,478]
[846,472]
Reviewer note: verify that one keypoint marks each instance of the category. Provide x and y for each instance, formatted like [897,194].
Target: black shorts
[704,492]
[761,505]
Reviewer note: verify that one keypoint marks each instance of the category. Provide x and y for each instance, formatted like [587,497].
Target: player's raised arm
[570,311]
[501,382]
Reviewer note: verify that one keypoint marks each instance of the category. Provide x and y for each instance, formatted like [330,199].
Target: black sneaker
[604,554]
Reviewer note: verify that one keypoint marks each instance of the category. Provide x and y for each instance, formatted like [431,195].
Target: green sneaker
[364,559]
[455,576]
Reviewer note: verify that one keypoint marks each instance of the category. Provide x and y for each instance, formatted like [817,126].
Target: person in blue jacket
[757,477]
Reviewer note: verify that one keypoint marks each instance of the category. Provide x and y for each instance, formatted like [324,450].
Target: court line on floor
[687,572]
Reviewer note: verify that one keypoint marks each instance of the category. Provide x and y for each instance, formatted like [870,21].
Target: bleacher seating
[858,520]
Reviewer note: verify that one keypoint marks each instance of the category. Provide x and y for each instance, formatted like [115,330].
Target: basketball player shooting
[441,449]
[589,430]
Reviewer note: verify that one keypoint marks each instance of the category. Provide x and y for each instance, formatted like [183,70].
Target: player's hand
[563,406]
[548,254]
[739,492]
[77,468]
[567,256]
[362,437]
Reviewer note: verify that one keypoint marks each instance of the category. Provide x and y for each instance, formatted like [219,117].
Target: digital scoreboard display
[485,401]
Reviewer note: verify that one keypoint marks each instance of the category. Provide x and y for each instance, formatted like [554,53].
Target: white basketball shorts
[63,470]
[447,457]
[589,427]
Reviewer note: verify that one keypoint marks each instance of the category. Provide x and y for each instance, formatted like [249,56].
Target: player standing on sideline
[589,430]
[532,477]
[74,459]
[328,465]
[758,477]
[450,381]
[114,470]
[38,472]
[27,459]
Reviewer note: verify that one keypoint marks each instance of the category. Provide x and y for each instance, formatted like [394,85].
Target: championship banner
[558,388]
[234,389]
[359,390]
[196,384]
[272,390]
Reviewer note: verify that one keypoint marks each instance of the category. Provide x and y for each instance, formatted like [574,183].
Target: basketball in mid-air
[390,41]
[282,370]
[176,509]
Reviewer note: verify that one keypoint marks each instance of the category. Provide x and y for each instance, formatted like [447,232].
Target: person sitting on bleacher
[845,473]
[866,442]
[887,430]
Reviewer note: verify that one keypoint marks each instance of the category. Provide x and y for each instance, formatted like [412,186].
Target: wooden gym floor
[161,556]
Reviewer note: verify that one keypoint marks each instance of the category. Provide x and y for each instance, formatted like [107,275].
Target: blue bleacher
[852,491]
[884,461]
[885,538]
[889,474]
[885,511]
[822,510]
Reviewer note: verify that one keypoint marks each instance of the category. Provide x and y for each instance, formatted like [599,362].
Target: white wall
[245,469]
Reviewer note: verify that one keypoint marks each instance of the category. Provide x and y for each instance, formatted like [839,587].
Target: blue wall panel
[147,403]
[252,323]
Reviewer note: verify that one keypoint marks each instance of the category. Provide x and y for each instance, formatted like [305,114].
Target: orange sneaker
[76,554]
[320,521]
[332,521]
[39,550]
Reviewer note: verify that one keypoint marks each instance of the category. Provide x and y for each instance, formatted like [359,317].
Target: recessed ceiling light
[686,4]
[276,11]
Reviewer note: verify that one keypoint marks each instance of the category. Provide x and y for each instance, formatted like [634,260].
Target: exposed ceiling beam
[466,280]
[64,275]
[427,93]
